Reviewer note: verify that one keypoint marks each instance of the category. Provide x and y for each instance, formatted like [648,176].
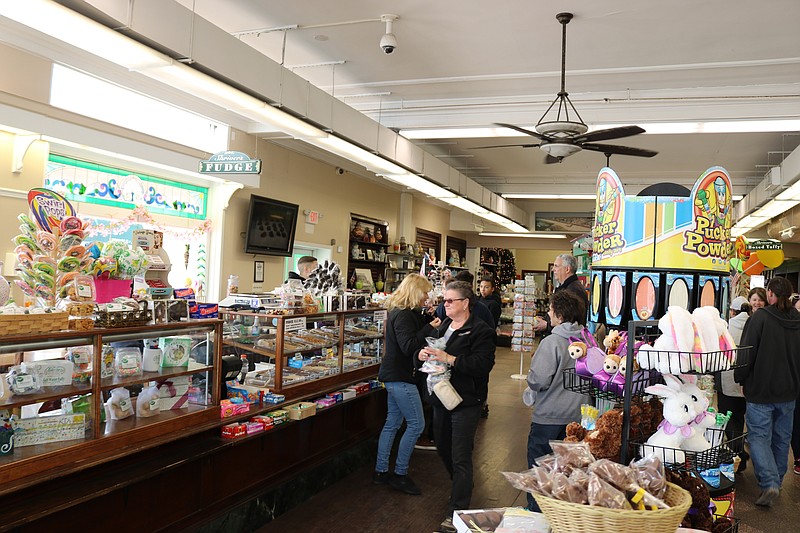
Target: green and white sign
[230,162]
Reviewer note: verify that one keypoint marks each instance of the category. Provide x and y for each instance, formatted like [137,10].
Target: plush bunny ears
[662,391]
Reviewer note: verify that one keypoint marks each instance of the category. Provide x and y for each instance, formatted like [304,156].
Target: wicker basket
[565,517]
[11,325]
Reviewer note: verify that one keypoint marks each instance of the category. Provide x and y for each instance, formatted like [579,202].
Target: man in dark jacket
[771,381]
[491,299]
[479,308]
[305,265]
[564,270]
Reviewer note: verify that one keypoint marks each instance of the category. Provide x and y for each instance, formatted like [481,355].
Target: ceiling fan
[563,136]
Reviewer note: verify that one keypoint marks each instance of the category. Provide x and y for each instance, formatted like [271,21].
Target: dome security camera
[388,41]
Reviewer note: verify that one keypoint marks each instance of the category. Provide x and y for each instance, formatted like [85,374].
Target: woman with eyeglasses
[406,330]
[469,352]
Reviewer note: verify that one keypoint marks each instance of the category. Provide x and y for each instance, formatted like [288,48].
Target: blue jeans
[769,431]
[538,445]
[454,435]
[404,403]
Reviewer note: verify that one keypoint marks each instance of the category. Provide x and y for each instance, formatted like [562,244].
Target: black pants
[427,410]
[737,406]
[538,445]
[454,435]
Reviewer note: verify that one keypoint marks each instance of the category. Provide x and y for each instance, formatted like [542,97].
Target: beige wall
[529,259]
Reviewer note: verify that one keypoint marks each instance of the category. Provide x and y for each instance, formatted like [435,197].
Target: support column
[405,222]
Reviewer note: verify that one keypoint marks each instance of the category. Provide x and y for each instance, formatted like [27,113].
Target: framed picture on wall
[258,271]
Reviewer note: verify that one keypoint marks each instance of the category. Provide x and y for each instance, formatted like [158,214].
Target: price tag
[379,315]
[294,324]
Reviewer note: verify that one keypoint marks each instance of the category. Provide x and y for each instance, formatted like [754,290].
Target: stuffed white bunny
[704,419]
[679,410]
[670,354]
[716,341]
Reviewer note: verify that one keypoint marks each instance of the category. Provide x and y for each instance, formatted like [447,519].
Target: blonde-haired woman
[405,335]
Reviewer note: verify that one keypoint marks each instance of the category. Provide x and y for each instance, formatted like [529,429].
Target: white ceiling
[473,63]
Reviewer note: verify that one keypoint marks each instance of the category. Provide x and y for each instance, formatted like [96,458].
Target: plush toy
[592,361]
[670,354]
[717,344]
[617,385]
[577,351]
[699,515]
[605,440]
[602,379]
[679,410]
[704,419]
[612,341]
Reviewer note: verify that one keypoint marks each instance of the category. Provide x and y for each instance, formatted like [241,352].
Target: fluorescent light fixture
[420,184]
[373,163]
[529,235]
[513,226]
[531,196]
[774,208]
[733,126]
[70,27]
[792,193]
[737,231]
[467,205]
[101,100]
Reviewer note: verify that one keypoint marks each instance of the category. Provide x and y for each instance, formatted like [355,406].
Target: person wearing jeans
[553,406]
[771,382]
[406,330]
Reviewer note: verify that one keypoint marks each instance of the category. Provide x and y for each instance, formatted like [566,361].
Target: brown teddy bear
[612,341]
[605,440]
[699,515]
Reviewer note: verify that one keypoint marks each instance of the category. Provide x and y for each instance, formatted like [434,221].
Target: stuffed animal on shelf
[605,440]
[602,379]
[704,419]
[717,344]
[577,351]
[612,341]
[699,515]
[670,353]
[617,385]
[594,356]
[679,410]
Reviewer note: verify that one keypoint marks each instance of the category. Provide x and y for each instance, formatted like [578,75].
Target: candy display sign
[664,232]
[49,208]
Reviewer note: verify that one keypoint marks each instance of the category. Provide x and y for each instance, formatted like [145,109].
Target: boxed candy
[175,351]
[254,427]
[322,403]
[336,396]
[42,429]
[301,410]
[234,431]
[348,394]
[278,416]
[199,310]
[246,393]
[274,398]
[231,408]
[264,420]
[52,373]
[361,388]
[173,393]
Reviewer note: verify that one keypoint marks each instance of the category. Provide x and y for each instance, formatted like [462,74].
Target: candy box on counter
[198,310]
[279,416]
[173,393]
[254,427]
[301,410]
[52,372]
[264,420]
[271,397]
[183,294]
[336,396]
[246,393]
[322,403]
[175,351]
[348,394]
[361,388]
[229,408]
[234,431]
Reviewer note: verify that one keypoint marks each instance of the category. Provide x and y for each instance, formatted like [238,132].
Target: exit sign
[312,217]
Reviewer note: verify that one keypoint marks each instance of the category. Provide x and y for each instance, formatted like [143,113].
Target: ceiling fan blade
[505,146]
[522,130]
[549,159]
[619,150]
[611,133]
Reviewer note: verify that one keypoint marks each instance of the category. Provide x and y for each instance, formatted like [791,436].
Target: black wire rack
[675,362]
[683,460]
[612,388]
[732,528]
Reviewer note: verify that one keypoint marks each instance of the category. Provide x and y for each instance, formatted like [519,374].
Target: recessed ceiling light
[320,37]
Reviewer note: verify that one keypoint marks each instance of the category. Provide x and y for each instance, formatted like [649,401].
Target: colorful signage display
[230,162]
[685,233]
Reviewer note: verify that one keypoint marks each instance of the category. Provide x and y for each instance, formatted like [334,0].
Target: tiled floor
[356,505]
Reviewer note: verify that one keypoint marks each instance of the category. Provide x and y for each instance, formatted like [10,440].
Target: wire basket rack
[610,388]
[722,451]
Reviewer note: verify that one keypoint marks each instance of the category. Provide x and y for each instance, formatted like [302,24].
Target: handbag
[447,394]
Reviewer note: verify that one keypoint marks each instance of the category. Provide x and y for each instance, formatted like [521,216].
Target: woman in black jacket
[470,354]
[406,330]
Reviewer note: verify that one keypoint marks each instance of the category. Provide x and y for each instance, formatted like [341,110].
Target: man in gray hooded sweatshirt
[553,406]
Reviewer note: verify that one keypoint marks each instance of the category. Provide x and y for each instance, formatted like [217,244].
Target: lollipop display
[49,248]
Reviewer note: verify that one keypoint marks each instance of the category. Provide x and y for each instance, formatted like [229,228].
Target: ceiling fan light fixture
[560,150]
[561,128]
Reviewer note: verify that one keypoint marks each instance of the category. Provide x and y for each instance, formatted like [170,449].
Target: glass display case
[57,393]
[297,354]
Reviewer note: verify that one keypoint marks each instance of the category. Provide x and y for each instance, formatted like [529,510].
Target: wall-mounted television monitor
[270,227]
